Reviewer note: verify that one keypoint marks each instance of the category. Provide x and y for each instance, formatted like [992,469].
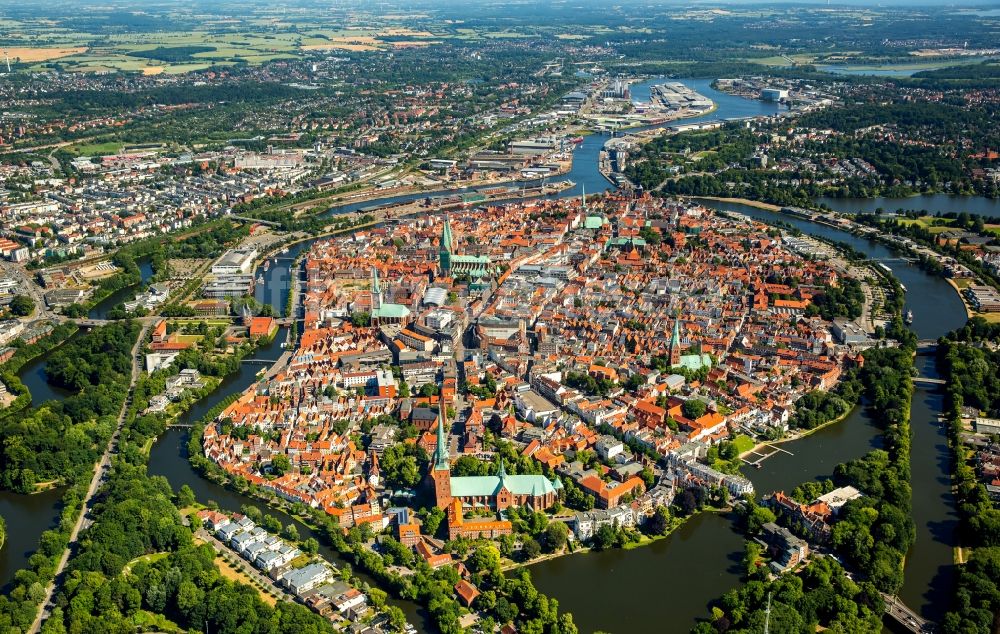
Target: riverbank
[968,309]
[342,199]
[805,433]
[744,201]
[645,540]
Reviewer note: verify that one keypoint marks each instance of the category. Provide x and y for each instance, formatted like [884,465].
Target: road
[242,565]
[26,286]
[101,470]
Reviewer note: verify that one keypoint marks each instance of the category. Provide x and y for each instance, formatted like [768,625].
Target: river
[700,561]
[100,310]
[933,203]
[937,310]
[27,517]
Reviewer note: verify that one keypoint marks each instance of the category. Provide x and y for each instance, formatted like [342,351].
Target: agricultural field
[265,36]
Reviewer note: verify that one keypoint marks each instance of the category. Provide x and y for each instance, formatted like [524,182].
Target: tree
[310,546]
[185,497]
[432,520]
[556,536]
[280,464]
[604,538]
[756,516]
[659,523]
[291,532]
[531,548]
[22,305]
[693,408]
[751,554]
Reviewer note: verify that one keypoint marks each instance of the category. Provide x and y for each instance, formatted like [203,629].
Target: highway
[101,470]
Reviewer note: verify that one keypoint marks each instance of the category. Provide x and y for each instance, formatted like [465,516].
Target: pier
[756,456]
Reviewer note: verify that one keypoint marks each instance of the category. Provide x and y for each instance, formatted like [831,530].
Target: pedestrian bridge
[927,381]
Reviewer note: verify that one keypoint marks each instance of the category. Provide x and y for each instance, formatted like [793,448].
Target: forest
[61,440]
[965,360]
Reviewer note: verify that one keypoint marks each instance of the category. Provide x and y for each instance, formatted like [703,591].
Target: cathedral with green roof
[693,362]
[385,312]
[496,492]
[479,268]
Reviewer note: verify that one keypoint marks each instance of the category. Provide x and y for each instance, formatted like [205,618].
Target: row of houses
[316,583]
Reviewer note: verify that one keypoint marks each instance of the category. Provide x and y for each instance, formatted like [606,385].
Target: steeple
[583,197]
[501,470]
[376,289]
[675,342]
[441,449]
[444,249]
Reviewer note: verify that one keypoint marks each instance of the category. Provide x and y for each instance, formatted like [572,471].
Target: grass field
[95,149]
[930,223]
[744,443]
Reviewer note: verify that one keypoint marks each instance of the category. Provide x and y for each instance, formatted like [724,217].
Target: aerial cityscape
[532,317]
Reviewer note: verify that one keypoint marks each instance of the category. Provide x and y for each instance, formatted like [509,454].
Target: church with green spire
[479,268]
[693,362]
[496,492]
[385,312]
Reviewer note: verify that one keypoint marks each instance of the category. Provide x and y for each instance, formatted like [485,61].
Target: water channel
[933,203]
[100,310]
[665,586]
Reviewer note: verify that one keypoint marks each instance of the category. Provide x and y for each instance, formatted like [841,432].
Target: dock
[756,457]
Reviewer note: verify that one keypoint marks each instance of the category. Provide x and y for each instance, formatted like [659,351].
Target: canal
[27,517]
[100,310]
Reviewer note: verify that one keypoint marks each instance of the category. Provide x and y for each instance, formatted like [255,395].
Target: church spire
[675,342]
[583,197]
[444,249]
[376,289]
[441,449]
[501,470]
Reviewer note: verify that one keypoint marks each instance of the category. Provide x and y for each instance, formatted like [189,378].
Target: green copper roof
[446,240]
[624,242]
[593,222]
[391,311]
[488,486]
[696,361]
[471,259]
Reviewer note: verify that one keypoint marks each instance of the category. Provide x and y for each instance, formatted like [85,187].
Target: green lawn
[744,443]
[95,149]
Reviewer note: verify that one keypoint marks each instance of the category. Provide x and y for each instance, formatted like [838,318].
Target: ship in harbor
[909,317]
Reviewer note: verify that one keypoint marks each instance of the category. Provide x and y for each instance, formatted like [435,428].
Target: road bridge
[260,361]
[905,616]
[927,381]
[927,345]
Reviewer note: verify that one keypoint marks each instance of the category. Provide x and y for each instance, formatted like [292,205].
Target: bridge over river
[906,617]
